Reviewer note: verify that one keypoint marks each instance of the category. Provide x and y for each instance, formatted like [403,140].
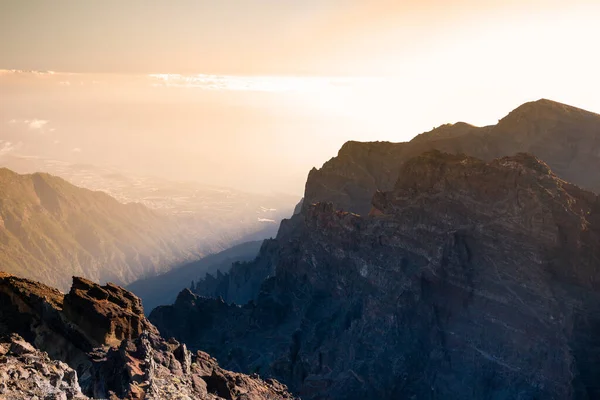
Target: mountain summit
[467,279]
[565,137]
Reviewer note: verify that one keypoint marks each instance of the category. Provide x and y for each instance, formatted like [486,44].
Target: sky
[252,94]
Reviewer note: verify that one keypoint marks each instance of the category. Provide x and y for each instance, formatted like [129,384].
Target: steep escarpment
[565,137]
[96,342]
[467,279]
[51,230]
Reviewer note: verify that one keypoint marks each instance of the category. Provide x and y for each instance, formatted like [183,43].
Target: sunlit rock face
[96,342]
[465,279]
[27,373]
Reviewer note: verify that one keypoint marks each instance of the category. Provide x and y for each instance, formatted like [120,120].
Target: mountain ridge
[51,229]
[566,138]
[459,270]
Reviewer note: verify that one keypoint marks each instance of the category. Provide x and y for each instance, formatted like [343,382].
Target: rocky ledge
[95,342]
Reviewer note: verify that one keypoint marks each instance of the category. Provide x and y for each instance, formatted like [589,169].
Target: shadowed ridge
[546,107]
[448,131]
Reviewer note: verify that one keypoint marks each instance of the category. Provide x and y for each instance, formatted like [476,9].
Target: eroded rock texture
[467,279]
[96,342]
[27,373]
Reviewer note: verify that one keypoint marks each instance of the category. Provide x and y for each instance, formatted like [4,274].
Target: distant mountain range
[51,230]
[218,217]
[416,273]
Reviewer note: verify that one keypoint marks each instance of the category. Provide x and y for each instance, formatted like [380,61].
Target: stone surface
[27,373]
[95,340]
[106,314]
[467,279]
[149,367]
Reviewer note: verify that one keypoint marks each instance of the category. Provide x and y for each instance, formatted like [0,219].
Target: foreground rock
[95,341]
[466,280]
[27,373]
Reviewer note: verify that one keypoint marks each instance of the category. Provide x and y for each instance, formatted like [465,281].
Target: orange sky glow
[263,81]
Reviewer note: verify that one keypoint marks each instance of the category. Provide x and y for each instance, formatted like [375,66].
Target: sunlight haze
[168,88]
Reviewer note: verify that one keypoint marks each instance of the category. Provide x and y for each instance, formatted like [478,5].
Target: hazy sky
[281,36]
[270,88]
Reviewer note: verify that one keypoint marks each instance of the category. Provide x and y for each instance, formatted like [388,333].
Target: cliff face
[565,137]
[98,343]
[467,279]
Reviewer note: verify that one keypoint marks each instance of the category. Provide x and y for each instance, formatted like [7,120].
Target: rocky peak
[69,326]
[447,131]
[547,109]
[106,314]
[566,138]
[97,337]
[462,266]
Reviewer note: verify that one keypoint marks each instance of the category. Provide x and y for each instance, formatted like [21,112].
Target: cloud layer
[257,83]
[36,123]
[33,124]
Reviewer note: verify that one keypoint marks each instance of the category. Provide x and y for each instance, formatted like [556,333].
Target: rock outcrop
[565,137]
[96,342]
[27,373]
[465,279]
[106,314]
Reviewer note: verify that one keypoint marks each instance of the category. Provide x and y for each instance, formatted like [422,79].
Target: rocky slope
[466,279]
[96,342]
[29,373]
[51,230]
[565,137]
